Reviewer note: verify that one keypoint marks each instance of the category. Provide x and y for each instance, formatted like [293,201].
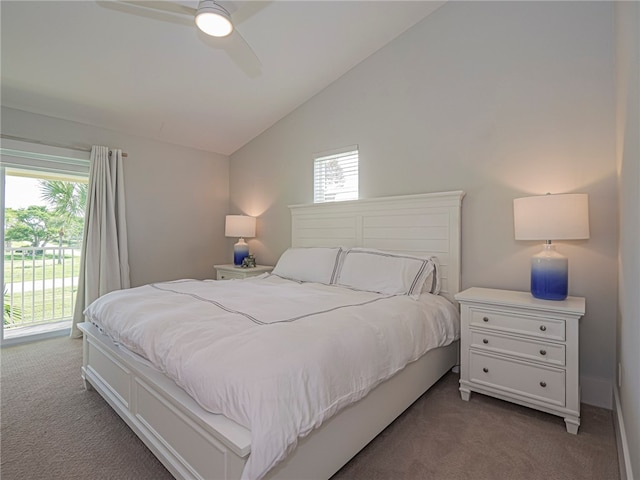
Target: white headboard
[424,224]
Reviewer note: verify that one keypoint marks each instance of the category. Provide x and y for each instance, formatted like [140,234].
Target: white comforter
[276,356]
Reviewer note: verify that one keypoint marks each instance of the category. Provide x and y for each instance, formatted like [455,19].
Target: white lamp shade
[552,217]
[213,19]
[239,226]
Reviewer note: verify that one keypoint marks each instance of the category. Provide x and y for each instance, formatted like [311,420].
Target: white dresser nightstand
[521,349]
[228,272]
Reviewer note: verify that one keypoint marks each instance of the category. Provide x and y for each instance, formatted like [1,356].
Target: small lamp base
[549,274]
[240,252]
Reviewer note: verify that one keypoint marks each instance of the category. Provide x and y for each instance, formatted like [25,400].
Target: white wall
[176,197]
[499,99]
[628,155]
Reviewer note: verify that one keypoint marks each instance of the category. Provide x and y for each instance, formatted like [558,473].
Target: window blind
[335,175]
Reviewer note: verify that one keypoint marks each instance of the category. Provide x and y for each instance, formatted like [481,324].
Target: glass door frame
[46,160]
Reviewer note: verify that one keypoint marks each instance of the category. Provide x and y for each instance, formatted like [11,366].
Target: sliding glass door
[42,219]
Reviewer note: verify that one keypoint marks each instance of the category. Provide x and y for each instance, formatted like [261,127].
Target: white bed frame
[193,443]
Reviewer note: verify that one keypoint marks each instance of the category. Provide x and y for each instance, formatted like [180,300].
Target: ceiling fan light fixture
[213,19]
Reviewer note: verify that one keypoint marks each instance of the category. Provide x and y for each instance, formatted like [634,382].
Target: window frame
[351,177]
[22,158]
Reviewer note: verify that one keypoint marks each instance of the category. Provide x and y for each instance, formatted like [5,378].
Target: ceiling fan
[212,18]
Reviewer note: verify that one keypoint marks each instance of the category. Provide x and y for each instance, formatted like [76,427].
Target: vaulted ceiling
[128,69]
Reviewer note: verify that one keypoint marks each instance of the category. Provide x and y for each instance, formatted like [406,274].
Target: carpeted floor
[51,428]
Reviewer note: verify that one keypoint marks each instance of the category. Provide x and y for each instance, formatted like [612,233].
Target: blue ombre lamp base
[240,252]
[549,274]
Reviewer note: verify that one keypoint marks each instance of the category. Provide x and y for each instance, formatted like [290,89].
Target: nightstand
[228,272]
[521,349]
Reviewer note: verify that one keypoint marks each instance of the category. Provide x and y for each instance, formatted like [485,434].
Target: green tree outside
[68,200]
[37,226]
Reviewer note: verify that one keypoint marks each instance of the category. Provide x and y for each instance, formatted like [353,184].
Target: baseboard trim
[597,392]
[624,460]
[8,342]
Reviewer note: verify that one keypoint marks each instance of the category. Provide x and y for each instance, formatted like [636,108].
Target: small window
[335,175]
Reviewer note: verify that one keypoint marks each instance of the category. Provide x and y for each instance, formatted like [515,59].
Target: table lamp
[551,217]
[240,226]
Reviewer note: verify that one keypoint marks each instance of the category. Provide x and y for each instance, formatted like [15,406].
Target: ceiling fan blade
[238,50]
[234,45]
[243,55]
[134,8]
[240,11]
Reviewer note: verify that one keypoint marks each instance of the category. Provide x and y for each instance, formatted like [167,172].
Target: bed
[193,443]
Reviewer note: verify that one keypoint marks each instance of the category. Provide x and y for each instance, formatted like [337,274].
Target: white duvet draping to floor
[276,356]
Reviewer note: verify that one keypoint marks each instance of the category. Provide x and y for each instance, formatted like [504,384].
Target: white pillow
[432,282]
[384,272]
[311,264]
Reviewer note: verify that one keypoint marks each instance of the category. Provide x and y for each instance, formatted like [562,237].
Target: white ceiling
[109,65]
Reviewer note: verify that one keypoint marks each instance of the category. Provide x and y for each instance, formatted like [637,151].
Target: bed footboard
[190,442]
[195,444]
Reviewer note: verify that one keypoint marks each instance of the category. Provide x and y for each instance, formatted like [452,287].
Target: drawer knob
[543,384]
[485,341]
[485,319]
[485,370]
[543,352]
[543,328]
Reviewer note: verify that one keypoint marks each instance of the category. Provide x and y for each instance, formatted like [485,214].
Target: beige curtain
[104,261]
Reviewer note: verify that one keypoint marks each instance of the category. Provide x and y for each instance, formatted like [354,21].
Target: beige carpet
[51,428]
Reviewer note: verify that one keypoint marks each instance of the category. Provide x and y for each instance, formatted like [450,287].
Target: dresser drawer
[553,354]
[516,377]
[231,272]
[524,324]
[229,275]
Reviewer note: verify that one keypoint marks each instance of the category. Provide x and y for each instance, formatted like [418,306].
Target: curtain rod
[50,144]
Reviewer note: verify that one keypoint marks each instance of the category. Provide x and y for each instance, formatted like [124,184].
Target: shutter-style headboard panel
[424,224]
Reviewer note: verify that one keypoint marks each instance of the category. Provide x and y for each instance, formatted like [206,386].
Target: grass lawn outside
[40,267]
[42,306]
[33,299]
